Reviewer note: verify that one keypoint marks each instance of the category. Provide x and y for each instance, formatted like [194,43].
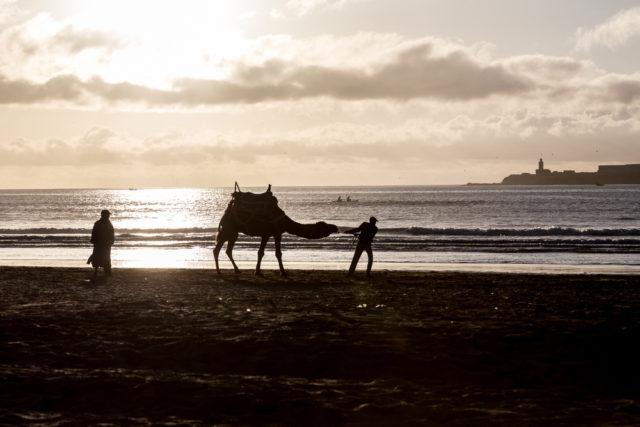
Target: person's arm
[93,234]
[354,230]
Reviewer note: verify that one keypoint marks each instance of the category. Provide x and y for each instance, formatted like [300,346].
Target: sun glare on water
[166,208]
[158,223]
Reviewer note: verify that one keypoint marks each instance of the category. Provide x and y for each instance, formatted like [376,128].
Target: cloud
[418,150]
[414,73]
[515,134]
[276,14]
[66,88]
[616,31]
[360,68]
[551,69]
[42,35]
[97,146]
[40,47]
[624,89]
[303,7]
[8,11]
[76,40]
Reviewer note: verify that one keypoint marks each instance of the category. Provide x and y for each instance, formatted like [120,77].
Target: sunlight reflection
[153,258]
[168,208]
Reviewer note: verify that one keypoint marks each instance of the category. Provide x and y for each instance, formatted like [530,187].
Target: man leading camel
[365,233]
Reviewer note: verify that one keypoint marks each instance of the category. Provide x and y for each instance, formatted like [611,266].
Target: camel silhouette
[259,215]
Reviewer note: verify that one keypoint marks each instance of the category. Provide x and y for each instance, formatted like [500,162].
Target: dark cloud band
[413,74]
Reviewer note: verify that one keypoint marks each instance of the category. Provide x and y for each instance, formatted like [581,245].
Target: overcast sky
[126,93]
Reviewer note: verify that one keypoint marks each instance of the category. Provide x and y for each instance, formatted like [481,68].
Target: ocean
[590,229]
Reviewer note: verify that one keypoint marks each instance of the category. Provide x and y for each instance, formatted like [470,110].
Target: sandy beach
[193,347]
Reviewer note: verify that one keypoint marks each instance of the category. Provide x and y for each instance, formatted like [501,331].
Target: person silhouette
[102,237]
[365,232]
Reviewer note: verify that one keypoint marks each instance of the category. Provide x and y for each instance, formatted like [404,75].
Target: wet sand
[191,347]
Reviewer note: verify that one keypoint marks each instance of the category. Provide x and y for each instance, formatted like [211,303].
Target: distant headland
[606,174]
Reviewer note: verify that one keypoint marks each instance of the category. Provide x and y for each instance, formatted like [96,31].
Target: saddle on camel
[259,215]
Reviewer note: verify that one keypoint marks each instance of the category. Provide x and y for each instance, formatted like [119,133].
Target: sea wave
[121,232]
[404,203]
[551,231]
[383,242]
[189,232]
[492,240]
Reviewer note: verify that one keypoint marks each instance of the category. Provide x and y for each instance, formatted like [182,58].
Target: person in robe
[102,237]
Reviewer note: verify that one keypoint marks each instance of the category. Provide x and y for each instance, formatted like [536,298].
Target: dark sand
[192,347]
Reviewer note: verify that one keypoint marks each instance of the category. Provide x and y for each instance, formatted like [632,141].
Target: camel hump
[248,198]
[236,189]
[247,206]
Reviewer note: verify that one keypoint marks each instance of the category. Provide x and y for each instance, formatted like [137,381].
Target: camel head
[311,231]
[326,229]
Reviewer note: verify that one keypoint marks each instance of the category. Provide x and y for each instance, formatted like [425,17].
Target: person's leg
[356,257]
[370,260]
[107,264]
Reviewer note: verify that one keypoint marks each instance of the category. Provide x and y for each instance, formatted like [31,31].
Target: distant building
[607,174]
[541,170]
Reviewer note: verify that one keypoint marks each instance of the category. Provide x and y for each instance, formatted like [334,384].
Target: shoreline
[301,269]
[418,267]
[189,346]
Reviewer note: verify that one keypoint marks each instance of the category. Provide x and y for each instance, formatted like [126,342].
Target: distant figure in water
[365,233]
[102,237]
[339,199]
[348,198]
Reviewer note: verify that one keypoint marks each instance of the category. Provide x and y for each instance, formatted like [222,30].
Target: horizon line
[244,186]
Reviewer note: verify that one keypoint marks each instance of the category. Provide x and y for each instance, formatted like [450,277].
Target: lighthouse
[541,170]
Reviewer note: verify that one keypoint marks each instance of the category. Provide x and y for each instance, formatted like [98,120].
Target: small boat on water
[347,200]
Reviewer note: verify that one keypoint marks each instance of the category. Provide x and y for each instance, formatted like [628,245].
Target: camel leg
[263,244]
[232,241]
[216,252]
[278,239]
[220,240]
